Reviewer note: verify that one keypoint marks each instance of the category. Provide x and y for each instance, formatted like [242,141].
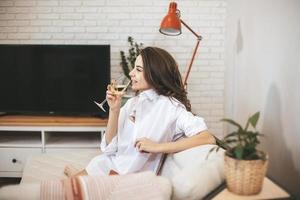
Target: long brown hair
[162,73]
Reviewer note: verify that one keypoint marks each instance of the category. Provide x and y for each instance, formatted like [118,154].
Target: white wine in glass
[114,87]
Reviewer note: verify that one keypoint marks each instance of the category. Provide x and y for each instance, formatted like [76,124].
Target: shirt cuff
[110,148]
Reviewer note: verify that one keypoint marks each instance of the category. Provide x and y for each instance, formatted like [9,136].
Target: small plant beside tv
[127,62]
[245,165]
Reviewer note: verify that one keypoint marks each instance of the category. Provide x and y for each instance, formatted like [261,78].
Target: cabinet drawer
[14,159]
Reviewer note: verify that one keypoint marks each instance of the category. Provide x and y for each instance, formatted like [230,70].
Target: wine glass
[113,86]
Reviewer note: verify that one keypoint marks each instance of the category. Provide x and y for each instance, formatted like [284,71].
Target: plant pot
[245,177]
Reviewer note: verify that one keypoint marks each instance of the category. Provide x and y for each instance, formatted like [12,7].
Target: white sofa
[192,175]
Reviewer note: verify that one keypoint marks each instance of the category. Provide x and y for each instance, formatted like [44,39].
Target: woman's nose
[131,73]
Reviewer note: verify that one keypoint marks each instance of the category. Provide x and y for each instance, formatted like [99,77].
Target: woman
[150,123]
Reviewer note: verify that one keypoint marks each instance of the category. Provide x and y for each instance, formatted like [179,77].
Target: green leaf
[229,153]
[210,151]
[230,121]
[228,141]
[124,64]
[253,119]
[233,134]
[238,152]
[221,143]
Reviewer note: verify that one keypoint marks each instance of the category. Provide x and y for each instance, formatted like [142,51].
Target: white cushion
[192,175]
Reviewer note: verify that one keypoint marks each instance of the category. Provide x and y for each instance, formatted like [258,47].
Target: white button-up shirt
[156,117]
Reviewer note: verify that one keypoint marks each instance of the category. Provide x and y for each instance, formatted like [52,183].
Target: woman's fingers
[114,99]
[113,95]
[110,97]
[140,147]
[138,141]
[108,92]
[139,144]
[117,94]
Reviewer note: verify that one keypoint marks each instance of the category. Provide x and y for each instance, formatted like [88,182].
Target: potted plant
[245,165]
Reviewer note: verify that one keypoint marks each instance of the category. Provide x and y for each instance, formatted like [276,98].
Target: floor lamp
[171,25]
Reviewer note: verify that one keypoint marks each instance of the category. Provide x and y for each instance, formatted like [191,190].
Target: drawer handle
[14,160]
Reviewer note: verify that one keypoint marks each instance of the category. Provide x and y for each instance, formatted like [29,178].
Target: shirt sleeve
[112,147]
[188,124]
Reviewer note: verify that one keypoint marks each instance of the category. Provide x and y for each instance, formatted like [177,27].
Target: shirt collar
[149,94]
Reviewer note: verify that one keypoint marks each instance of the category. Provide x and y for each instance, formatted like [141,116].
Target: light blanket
[139,186]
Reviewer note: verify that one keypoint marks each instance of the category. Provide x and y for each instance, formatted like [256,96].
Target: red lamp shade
[171,24]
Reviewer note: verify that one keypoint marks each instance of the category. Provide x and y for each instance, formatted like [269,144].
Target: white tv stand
[24,136]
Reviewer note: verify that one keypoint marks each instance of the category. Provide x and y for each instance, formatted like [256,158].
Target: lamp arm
[191,63]
[199,38]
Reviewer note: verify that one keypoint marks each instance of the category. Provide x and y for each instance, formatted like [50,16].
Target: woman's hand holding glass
[114,97]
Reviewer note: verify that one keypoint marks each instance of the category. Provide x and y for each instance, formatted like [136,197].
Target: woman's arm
[112,125]
[114,102]
[147,145]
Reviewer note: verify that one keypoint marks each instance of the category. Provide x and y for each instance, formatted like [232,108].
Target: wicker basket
[245,177]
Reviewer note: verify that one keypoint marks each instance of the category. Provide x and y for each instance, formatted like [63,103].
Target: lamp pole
[199,38]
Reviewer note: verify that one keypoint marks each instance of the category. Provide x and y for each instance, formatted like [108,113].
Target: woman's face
[137,76]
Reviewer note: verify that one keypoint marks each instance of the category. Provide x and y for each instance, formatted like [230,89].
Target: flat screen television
[53,79]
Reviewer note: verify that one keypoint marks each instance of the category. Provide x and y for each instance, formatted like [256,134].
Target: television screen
[53,79]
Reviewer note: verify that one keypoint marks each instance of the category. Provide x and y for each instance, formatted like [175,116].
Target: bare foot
[70,171]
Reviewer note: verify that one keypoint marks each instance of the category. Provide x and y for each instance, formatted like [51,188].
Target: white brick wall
[112,21]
